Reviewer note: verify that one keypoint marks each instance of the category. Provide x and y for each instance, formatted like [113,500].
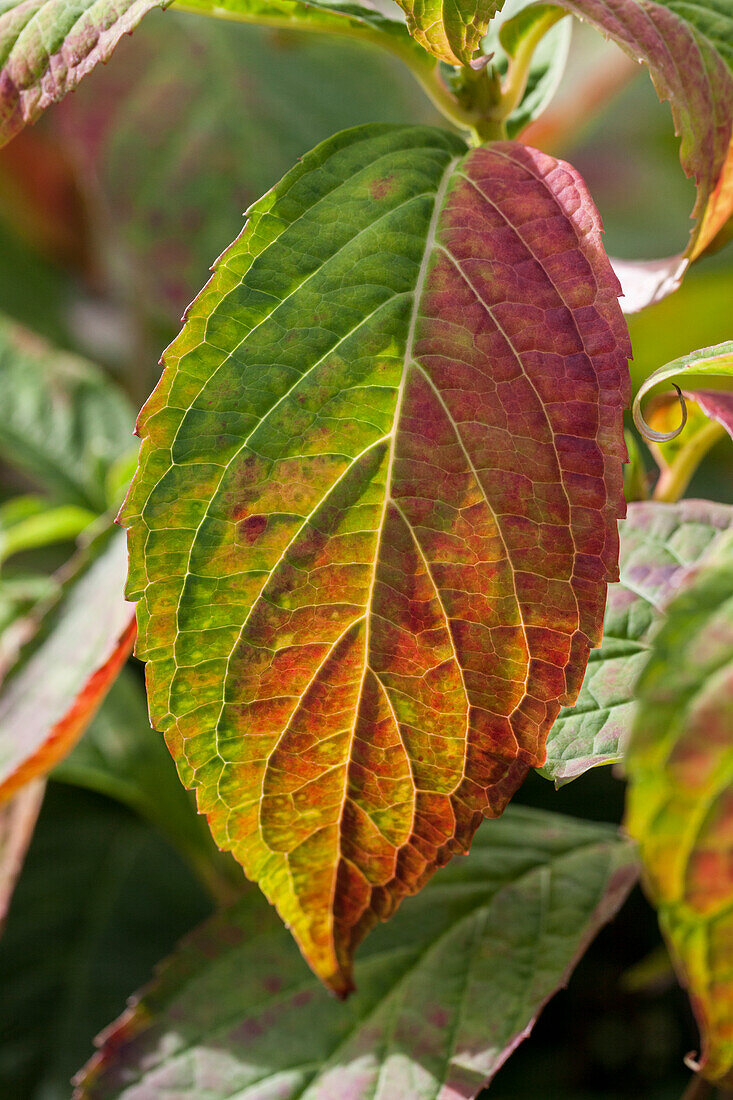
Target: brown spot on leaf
[251,528]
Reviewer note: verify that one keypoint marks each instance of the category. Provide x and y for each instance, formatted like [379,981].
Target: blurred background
[112,209]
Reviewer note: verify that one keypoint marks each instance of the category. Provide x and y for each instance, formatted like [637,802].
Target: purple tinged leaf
[447,990]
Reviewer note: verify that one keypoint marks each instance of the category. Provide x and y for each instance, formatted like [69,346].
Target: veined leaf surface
[47,46]
[60,679]
[375,512]
[659,544]
[689,51]
[450,29]
[446,991]
[680,799]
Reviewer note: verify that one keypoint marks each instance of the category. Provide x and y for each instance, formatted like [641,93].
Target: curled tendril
[647,431]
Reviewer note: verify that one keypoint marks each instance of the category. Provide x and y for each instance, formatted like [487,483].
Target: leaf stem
[515,82]
[677,476]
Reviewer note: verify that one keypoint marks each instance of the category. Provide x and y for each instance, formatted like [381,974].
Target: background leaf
[680,800]
[17,821]
[201,111]
[446,990]
[59,680]
[63,422]
[687,48]
[122,757]
[340,517]
[659,544]
[47,46]
[101,898]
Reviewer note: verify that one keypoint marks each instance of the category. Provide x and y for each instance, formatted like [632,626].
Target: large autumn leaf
[375,513]
[60,678]
[689,51]
[680,801]
[446,991]
[659,545]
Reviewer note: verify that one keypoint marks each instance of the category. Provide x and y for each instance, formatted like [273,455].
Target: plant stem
[515,82]
[677,476]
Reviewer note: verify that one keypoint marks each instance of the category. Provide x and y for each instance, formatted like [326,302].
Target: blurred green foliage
[154,162]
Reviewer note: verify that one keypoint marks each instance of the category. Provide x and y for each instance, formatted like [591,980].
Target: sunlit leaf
[62,421]
[659,543]
[47,46]
[680,801]
[689,51]
[17,821]
[450,29]
[375,513]
[716,361]
[447,990]
[122,757]
[58,682]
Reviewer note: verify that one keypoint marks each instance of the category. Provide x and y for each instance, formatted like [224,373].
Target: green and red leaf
[660,543]
[680,800]
[53,691]
[447,990]
[375,513]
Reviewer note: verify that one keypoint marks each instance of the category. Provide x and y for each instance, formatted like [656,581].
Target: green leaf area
[446,990]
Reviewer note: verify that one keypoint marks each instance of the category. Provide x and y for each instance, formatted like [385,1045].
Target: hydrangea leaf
[689,51]
[59,680]
[63,423]
[48,46]
[447,990]
[680,798]
[659,544]
[387,441]
[450,29]
[716,361]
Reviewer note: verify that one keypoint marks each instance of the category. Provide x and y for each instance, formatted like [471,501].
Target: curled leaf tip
[650,433]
